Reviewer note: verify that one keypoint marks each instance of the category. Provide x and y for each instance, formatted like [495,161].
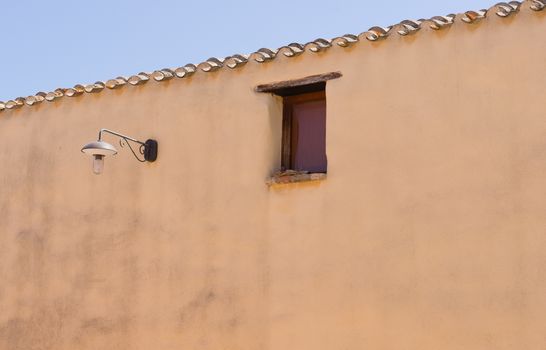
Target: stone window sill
[292,176]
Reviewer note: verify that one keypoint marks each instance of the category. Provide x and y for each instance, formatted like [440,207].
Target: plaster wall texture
[427,234]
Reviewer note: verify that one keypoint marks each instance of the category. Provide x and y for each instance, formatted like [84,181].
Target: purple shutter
[309,136]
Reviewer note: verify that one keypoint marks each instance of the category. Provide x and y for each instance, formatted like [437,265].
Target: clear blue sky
[58,43]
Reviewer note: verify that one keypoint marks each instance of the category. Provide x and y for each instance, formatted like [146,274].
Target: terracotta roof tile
[263,55]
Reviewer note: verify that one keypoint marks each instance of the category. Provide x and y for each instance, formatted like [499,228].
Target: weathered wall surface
[427,234]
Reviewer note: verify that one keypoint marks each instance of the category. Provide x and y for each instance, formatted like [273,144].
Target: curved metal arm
[141,149]
[125,137]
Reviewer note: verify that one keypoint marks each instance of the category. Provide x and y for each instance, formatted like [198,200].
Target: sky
[60,43]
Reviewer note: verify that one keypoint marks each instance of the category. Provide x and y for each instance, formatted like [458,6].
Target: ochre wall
[429,232]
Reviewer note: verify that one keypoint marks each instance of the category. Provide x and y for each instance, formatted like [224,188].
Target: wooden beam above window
[297,86]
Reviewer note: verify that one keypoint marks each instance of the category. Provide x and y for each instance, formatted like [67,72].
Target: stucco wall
[427,234]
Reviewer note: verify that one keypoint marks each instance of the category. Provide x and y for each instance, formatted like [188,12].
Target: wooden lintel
[313,79]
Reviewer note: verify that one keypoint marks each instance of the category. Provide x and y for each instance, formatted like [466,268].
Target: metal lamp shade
[99,148]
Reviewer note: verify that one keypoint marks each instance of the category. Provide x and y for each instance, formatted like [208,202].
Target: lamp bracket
[148,149]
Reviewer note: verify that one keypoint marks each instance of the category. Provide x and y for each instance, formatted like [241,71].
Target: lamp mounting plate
[150,150]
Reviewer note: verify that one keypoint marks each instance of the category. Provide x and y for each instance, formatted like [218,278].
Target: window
[304,122]
[304,132]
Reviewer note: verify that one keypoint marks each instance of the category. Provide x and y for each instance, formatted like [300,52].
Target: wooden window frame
[290,87]
[306,89]
[287,156]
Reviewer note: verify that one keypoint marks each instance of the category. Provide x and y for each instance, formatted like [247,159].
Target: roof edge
[264,55]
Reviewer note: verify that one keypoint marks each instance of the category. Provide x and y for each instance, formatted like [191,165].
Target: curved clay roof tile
[116,83]
[98,86]
[75,91]
[440,22]
[318,45]
[139,79]
[15,103]
[211,65]
[537,5]
[503,9]
[186,71]
[345,40]
[473,16]
[263,55]
[376,33]
[35,99]
[235,61]
[163,74]
[291,50]
[407,27]
[53,95]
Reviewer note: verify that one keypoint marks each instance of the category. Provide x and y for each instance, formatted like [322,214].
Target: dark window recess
[304,132]
[304,121]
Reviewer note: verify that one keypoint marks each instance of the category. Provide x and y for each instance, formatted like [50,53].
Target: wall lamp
[100,149]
